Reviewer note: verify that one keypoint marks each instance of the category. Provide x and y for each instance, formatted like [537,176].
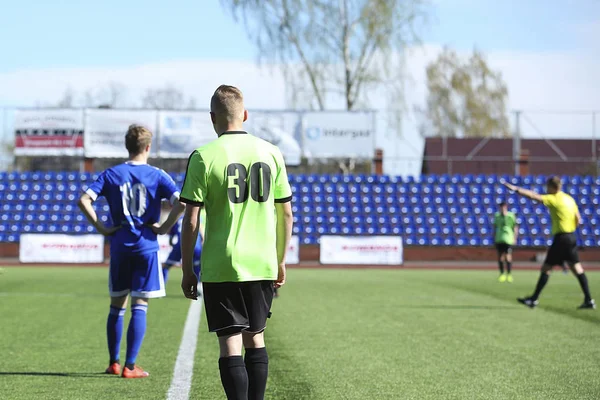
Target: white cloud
[552,81]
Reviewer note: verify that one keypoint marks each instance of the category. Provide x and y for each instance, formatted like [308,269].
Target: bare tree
[466,98]
[67,100]
[167,98]
[333,47]
[112,95]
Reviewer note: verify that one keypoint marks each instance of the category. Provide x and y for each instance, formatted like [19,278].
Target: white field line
[184,365]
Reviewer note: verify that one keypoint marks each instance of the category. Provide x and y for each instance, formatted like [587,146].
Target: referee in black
[565,219]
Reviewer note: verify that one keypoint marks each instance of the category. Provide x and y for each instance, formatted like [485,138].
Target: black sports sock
[234,377]
[501,266]
[540,285]
[508,267]
[583,281]
[257,365]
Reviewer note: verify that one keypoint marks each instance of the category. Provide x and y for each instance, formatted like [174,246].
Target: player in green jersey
[506,232]
[242,182]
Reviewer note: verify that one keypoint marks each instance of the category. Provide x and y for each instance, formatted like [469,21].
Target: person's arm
[577,218]
[189,236]
[530,194]
[174,215]
[200,229]
[192,194]
[85,204]
[516,231]
[285,221]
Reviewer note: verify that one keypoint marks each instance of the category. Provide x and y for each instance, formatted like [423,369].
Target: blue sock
[165,274]
[135,332]
[114,331]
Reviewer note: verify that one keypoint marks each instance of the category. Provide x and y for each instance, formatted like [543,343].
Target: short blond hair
[227,101]
[137,139]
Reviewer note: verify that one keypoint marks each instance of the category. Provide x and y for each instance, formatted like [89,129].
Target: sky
[547,52]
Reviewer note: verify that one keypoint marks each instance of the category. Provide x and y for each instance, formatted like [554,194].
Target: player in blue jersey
[174,257]
[134,191]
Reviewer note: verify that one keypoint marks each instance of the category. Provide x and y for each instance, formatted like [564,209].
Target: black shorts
[563,249]
[503,248]
[233,307]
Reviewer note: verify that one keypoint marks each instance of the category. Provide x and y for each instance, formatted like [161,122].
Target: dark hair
[502,203]
[554,182]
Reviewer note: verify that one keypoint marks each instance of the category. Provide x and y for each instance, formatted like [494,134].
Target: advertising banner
[281,129]
[180,132]
[369,250]
[339,135]
[105,130]
[56,248]
[293,252]
[56,132]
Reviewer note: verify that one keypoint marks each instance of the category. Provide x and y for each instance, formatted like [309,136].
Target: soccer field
[335,334]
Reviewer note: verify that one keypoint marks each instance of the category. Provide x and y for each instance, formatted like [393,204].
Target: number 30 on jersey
[258,178]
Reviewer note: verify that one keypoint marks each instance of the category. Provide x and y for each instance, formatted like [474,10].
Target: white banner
[370,250]
[105,130]
[180,132]
[51,132]
[339,135]
[56,248]
[293,252]
[283,129]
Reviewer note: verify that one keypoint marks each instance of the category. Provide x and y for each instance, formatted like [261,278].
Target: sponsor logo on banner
[180,132]
[49,132]
[49,248]
[370,250]
[339,135]
[293,252]
[105,130]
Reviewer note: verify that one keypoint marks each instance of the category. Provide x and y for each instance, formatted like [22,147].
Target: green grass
[335,334]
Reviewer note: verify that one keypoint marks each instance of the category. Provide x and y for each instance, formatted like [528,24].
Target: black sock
[540,285]
[257,365]
[114,361]
[584,286]
[501,267]
[234,377]
[130,366]
[508,267]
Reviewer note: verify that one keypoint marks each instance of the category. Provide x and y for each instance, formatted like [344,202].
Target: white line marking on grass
[184,365]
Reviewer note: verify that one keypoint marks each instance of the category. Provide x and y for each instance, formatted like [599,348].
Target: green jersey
[505,227]
[238,178]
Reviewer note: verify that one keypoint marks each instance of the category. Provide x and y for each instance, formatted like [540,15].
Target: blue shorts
[138,274]
[175,257]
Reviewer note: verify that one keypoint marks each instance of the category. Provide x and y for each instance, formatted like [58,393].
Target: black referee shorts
[563,249]
[502,248]
[233,307]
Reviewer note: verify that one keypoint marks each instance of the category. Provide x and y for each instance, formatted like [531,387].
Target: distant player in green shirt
[565,217]
[506,232]
[242,182]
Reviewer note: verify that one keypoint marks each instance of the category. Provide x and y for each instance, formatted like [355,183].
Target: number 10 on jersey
[239,178]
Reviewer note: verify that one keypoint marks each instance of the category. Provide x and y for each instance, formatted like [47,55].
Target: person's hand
[157,228]
[510,186]
[189,285]
[107,230]
[280,276]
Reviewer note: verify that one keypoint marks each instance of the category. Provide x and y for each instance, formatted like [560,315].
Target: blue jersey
[134,192]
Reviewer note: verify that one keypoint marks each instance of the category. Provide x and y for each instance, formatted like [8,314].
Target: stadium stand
[433,210]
